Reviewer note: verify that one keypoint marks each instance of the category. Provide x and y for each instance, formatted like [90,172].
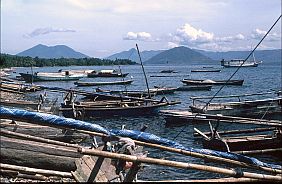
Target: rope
[232,74]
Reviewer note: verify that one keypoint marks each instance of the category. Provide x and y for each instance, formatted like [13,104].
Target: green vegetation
[20,61]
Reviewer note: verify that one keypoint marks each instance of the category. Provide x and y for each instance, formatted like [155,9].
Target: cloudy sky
[99,28]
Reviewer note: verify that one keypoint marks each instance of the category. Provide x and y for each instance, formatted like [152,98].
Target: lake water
[263,78]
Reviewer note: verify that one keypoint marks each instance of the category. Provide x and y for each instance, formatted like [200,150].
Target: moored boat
[56,76]
[239,62]
[194,88]
[107,73]
[206,70]
[212,82]
[123,82]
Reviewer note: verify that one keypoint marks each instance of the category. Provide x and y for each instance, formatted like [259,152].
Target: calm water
[258,79]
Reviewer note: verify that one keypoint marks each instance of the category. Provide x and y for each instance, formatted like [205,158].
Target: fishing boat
[168,71]
[245,108]
[55,76]
[107,73]
[239,62]
[19,103]
[162,90]
[130,93]
[122,82]
[129,107]
[194,88]
[246,144]
[212,82]
[206,70]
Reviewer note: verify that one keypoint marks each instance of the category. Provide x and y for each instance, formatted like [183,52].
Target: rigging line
[232,74]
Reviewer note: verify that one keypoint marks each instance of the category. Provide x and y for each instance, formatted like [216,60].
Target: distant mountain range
[132,54]
[58,51]
[184,55]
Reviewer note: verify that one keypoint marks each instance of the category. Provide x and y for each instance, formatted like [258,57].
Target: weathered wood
[259,151]
[237,131]
[38,155]
[16,174]
[35,171]
[34,138]
[193,154]
[182,165]
[97,166]
[206,180]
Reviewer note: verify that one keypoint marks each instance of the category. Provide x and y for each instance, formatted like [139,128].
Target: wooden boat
[211,70]
[246,108]
[57,76]
[17,87]
[168,71]
[107,73]
[162,90]
[19,103]
[124,82]
[194,88]
[138,94]
[246,143]
[239,62]
[111,108]
[212,82]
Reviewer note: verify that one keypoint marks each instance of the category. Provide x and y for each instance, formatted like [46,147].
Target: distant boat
[194,88]
[239,62]
[80,83]
[212,82]
[211,70]
[107,73]
[245,108]
[168,71]
[55,76]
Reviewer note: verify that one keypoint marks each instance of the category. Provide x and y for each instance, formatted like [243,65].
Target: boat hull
[219,82]
[35,78]
[103,83]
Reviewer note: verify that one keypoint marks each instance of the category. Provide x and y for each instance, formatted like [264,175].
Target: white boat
[240,62]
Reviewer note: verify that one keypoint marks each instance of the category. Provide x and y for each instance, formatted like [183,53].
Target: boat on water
[122,82]
[206,70]
[244,108]
[194,88]
[107,73]
[168,71]
[52,76]
[239,62]
[110,108]
[212,82]
[247,143]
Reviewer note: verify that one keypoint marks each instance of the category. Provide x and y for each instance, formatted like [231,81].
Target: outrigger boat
[123,107]
[56,76]
[107,73]
[123,82]
[246,108]
[212,82]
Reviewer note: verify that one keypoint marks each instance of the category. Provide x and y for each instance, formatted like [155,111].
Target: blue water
[263,78]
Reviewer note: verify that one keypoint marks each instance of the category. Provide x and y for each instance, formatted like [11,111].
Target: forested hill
[20,61]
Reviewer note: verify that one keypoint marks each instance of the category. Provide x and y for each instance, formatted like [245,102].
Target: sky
[100,28]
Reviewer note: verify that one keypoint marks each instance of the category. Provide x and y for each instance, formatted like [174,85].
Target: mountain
[58,51]
[132,54]
[267,56]
[180,56]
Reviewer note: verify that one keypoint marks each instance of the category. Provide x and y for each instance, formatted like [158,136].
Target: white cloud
[190,36]
[46,30]
[141,36]
[258,34]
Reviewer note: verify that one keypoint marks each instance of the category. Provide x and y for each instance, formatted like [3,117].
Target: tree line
[8,60]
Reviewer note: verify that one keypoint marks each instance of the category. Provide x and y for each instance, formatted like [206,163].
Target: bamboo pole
[34,170]
[25,176]
[182,165]
[258,151]
[192,154]
[237,131]
[34,138]
[207,180]
[157,146]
